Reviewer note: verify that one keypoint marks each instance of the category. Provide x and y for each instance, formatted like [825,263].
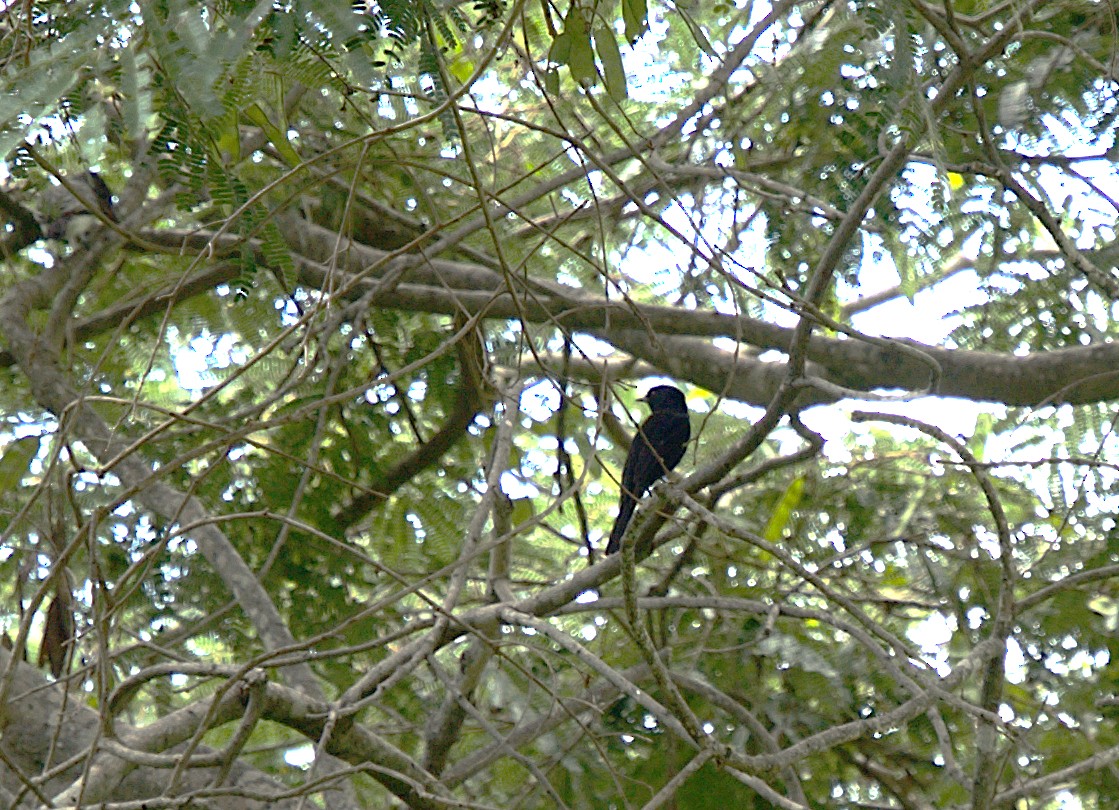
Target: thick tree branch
[34,709]
[54,392]
[1076,375]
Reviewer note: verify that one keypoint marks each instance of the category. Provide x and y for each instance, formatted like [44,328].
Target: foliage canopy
[311,440]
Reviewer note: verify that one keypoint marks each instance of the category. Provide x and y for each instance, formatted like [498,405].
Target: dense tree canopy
[317,391]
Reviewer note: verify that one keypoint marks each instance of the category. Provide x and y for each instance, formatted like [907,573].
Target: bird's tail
[625,512]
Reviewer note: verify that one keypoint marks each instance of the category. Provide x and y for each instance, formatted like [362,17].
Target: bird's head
[665,398]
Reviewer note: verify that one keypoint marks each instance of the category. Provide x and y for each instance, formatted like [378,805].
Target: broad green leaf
[551,81]
[581,59]
[634,14]
[14,463]
[561,49]
[611,58]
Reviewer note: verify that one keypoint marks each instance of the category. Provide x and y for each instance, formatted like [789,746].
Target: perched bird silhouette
[656,449]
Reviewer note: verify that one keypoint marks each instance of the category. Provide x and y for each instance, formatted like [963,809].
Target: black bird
[656,449]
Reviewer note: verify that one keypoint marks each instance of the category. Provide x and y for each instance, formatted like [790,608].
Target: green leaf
[136,107]
[783,512]
[580,59]
[228,137]
[35,100]
[279,140]
[561,49]
[611,58]
[13,464]
[523,510]
[634,13]
[551,81]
